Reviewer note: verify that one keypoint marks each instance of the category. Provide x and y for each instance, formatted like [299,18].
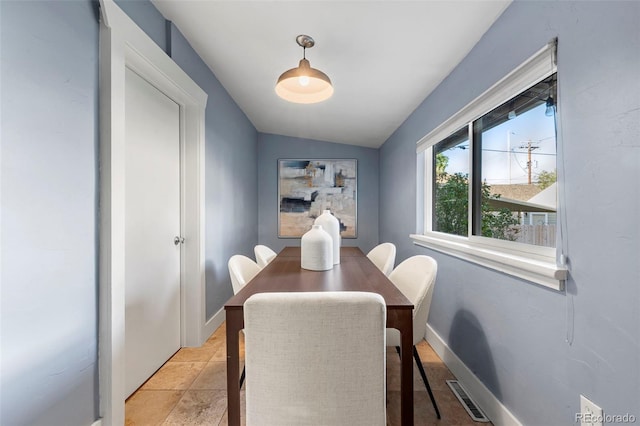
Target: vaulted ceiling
[383,57]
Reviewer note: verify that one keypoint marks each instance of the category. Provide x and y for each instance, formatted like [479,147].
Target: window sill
[540,271]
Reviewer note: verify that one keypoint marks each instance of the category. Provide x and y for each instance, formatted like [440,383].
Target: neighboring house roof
[515,191]
[542,201]
[546,197]
[519,206]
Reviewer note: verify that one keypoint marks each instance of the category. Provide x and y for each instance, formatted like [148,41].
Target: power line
[516,152]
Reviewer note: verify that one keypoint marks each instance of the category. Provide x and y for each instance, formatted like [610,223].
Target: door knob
[178,240]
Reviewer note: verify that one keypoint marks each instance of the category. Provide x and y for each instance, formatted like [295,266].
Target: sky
[504,155]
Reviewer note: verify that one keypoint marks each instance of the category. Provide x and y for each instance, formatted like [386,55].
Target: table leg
[234,324]
[406,375]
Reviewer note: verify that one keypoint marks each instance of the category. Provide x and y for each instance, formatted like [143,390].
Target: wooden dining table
[354,273]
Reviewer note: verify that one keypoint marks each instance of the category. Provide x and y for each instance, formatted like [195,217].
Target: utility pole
[509,133]
[529,148]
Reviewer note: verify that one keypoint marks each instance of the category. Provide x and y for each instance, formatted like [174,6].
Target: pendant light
[304,85]
[550,109]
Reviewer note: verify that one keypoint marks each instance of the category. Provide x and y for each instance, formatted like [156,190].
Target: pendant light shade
[551,107]
[304,85]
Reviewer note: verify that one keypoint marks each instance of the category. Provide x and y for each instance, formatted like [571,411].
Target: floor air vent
[467,402]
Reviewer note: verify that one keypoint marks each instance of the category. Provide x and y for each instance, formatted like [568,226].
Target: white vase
[316,250]
[331,225]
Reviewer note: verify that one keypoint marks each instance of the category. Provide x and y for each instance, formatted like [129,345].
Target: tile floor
[190,389]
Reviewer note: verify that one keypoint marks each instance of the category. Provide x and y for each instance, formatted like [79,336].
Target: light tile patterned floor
[190,389]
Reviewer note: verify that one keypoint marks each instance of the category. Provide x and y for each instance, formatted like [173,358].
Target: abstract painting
[307,187]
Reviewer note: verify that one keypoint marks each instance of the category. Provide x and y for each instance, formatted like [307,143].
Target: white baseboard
[214,322]
[488,403]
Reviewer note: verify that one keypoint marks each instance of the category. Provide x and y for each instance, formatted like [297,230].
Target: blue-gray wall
[49,136]
[271,148]
[49,192]
[231,196]
[537,350]
[149,19]
[231,214]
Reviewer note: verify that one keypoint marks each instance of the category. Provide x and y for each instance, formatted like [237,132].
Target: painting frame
[306,187]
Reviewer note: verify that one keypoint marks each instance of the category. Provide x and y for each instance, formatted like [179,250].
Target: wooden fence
[539,235]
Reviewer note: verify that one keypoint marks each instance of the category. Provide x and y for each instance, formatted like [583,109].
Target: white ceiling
[383,57]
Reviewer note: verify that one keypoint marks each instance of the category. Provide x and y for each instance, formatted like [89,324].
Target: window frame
[541,265]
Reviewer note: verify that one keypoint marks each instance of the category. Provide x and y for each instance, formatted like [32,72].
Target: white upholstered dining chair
[383,256]
[315,358]
[242,270]
[264,255]
[415,278]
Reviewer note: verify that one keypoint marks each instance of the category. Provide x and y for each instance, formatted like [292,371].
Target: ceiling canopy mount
[305,41]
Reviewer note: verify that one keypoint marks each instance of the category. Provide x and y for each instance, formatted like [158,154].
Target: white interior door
[152,221]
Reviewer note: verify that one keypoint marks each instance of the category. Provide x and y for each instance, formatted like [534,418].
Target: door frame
[124,45]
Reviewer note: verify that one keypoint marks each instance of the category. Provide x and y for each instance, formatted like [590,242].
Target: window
[490,177]
[451,184]
[514,159]
[516,145]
